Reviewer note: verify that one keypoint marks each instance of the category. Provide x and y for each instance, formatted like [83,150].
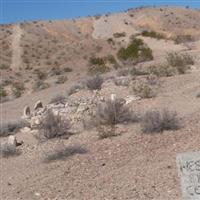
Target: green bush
[153,34]
[136,51]
[2,92]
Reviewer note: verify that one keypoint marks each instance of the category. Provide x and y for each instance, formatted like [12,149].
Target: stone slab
[188,165]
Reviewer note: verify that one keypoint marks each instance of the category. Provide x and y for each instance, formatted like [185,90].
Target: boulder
[131,98]
[35,121]
[27,112]
[38,105]
[12,141]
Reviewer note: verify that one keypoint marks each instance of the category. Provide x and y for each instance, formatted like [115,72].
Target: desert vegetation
[61,153]
[153,34]
[158,121]
[53,126]
[136,52]
[11,128]
[180,62]
[7,150]
[95,83]
[144,90]
[110,113]
[58,99]
[183,39]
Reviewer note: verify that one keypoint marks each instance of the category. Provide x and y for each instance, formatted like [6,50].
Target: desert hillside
[99,107]
[41,54]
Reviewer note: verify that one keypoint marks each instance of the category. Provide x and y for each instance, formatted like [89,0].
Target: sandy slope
[16,48]
[132,166]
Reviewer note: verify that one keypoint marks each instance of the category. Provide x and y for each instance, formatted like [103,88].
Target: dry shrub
[158,121]
[75,88]
[58,99]
[183,38]
[98,69]
[113,112]
[8,150]
[94,83]
[143,90]
[162,70]
[118,35]
[61,79]
[107,131]
[53,126]
[61,153]
[137,72]
[180,62]
[40,85]
[11,128]
[109,114]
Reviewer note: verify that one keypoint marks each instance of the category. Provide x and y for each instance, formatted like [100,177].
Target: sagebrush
[158,121]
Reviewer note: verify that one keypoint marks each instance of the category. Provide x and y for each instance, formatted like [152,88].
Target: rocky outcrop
[38,105]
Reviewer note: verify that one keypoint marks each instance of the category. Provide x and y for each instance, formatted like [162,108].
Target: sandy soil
[132,166]
[16,48]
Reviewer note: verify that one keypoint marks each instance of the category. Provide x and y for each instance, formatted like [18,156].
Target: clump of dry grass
[11,128]
[75,88]
[94,83]
[61,153]
[109,114]
[180,62]
[114,112]
[8,150]
[162,70]
[58,99]
[53,126]
[158,121]
[144,90]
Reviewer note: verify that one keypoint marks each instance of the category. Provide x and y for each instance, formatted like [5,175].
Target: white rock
[27,112]
[132,98]
[37,105]
[25,129]
[12,140]
[113,97]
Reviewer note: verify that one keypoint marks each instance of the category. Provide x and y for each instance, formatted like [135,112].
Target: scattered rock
[122,81]
[12,140]
[25,129]
[35,121]
[27,112]
[113,97]
[131,98]
[38,105]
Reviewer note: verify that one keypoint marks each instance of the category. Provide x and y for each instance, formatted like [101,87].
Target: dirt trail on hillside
[16,49]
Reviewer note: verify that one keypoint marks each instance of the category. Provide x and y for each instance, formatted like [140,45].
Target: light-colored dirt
[16,48]
[133,165]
